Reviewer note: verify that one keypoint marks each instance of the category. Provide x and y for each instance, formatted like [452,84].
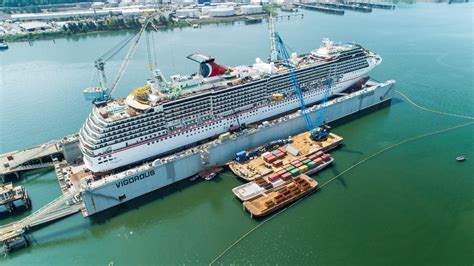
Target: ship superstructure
[165,116]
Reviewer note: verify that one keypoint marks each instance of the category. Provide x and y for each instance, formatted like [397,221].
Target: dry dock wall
[111,191]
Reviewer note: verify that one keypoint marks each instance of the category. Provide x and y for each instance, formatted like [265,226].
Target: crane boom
[128,57]
[318,131]
[296,86]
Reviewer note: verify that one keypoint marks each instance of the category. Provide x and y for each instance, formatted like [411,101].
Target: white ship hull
[119,188]
[167,143]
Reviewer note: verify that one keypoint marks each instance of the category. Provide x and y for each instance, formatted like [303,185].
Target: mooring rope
[354,166]
[431,110]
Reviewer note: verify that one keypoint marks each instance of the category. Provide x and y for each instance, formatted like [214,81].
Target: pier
[352,7]
[323,9]
[13,235]
[373,5]
[38,157]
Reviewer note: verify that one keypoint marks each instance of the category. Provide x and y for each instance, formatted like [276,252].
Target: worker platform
[9,194]
[38,157]
[13,235]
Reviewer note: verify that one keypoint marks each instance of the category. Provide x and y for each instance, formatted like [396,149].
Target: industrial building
[251,9]
[222,12]
[34,26]
[187,13]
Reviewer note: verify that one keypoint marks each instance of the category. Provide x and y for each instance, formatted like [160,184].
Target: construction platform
[38,157]
[9,194]
[13,235]
[302,145]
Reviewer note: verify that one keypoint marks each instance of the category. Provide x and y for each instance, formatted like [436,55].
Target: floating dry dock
[281,196]
[83,194]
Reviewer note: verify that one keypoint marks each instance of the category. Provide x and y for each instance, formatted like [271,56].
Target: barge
[280,197]
[270,162]
[262,185]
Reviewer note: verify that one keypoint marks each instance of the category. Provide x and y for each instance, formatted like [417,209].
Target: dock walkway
[52,211]
[29,159]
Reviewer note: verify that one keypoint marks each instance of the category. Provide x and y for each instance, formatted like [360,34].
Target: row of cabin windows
[104,137]
[133,118]
[138,120]
[188,105]
[122,137]
[189,110]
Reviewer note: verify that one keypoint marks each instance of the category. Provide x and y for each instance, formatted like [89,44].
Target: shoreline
[51,35]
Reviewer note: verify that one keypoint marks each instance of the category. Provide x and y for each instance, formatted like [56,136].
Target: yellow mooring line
[355,165]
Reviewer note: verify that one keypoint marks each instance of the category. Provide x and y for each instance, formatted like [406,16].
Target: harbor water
[411,205]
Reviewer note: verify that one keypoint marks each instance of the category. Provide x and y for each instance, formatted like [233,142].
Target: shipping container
[280,155]
[273,177]
[290,168]
[319,153]
[283,150]
[311,165]
[298,165]
[276,152]
[326,158]
[286,176]
[303,168]
[307,161]
[295,162]
[295,172]
[281,172]
[269,158]
[312,157]
[318,161]
[277,163]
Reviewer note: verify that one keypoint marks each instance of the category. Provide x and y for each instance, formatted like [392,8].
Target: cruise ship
[166,116]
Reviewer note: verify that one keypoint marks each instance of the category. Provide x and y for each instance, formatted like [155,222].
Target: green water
[413,205]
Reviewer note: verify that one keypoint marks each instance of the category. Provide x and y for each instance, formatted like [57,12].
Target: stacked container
[273,177]
[286,176]
[326,157]
[277,163]
[269,158]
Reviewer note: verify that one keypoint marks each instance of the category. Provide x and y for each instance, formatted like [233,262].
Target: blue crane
[318,132]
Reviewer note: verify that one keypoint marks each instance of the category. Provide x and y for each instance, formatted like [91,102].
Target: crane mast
[317,131]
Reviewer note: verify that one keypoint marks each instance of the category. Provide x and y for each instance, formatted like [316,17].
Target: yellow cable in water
[335,177]
[431,110]
[355,165]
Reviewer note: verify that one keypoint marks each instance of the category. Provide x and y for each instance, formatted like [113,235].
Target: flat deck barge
[280,197]
[262,185]
[302,146]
